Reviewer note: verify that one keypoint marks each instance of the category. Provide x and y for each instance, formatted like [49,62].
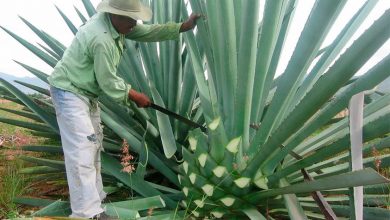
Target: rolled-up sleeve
[155,32]
[105,72]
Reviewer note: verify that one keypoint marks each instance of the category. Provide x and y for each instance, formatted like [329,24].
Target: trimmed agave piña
[272,149]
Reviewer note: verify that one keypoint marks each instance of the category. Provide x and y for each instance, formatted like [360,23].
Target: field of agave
[273,148]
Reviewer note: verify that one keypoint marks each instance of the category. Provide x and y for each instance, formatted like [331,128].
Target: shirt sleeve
[155,32]
[105,72]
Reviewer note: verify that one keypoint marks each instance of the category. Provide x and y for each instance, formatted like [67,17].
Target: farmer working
[87,70]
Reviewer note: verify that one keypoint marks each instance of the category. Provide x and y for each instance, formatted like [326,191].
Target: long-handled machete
[178,117]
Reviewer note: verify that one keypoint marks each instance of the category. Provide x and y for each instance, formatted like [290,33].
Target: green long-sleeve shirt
[88,66]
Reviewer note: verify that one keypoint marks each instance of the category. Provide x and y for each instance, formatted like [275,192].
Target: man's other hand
[190,23]
[140,99]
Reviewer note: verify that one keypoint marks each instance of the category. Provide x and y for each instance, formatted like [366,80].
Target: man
[86,70]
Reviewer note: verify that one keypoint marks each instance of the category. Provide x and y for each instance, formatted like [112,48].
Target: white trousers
[81,138]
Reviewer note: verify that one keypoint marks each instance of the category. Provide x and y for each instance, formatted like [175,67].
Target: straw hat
[129,8]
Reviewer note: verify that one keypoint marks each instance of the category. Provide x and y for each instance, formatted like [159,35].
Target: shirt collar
[114,34]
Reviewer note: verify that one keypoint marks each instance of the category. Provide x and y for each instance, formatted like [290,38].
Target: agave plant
[272,148]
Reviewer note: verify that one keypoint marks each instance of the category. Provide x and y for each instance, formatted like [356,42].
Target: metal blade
[178,117]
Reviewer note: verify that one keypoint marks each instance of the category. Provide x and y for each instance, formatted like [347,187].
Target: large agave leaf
[49,119]
[245,82]
[343,69]
[33,87]
[334,49]
[57,208]
[41,54]
[56,46]
[23,113]
[41,75]
[167,137]
[365,82]
[322,17]
[67,21]
[355,178]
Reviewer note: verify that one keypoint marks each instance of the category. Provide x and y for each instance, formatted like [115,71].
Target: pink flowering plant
[126,158]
